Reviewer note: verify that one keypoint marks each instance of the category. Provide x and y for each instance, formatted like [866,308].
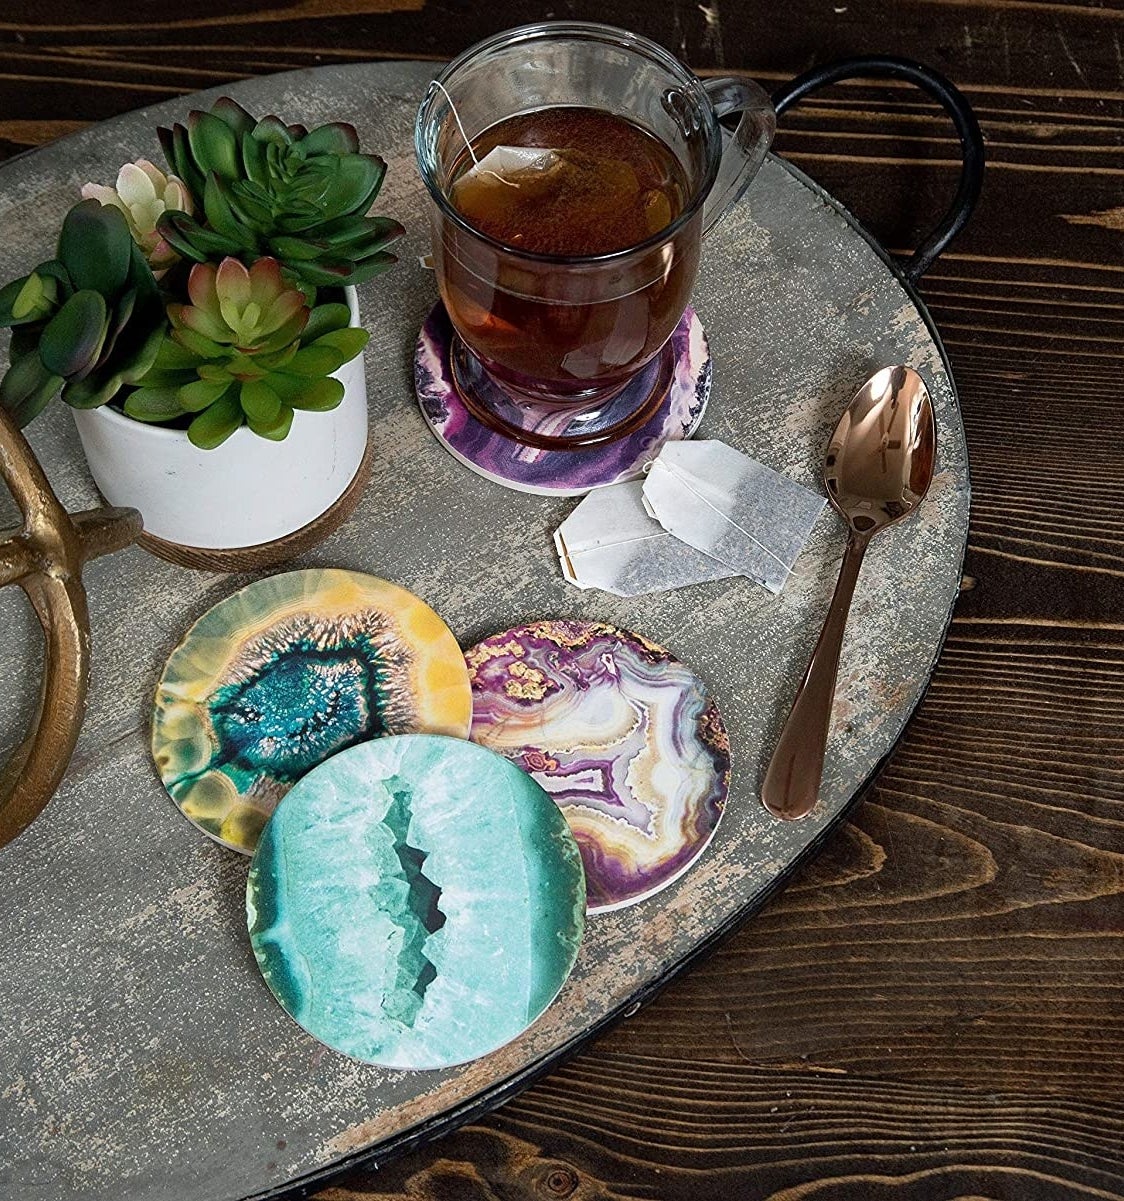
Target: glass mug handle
[743,152]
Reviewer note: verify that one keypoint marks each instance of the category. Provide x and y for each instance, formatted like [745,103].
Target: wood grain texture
[934,1010]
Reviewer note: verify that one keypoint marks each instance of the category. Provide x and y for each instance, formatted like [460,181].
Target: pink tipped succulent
[247,350]
[252,310]
[144,194]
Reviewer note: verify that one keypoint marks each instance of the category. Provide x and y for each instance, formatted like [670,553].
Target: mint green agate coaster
[416,901]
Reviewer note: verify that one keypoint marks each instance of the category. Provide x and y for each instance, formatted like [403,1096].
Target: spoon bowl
[879,462]
[877,470]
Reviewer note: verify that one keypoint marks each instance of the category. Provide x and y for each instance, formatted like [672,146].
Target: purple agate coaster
[620,733]
[560,472]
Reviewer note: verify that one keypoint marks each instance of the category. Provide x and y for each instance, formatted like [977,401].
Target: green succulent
[270,189]
[88,321]
[247,350]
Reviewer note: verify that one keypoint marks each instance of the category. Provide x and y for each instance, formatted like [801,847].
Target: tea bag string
[589,550]
[686,482]
[471,153]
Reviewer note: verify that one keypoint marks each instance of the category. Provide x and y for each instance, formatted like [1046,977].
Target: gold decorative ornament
[45,557]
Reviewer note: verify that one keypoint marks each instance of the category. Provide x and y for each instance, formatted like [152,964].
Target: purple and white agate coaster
[620,733]
[558,472]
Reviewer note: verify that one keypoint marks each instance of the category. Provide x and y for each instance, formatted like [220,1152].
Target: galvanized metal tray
[141,1055]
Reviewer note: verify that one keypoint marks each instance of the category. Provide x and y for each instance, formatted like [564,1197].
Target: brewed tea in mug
[593,183]
[574,169]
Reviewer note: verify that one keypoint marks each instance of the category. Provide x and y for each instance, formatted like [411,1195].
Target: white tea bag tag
[732,508]
[610,542]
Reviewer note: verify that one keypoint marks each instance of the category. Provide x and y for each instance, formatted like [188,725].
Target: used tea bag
[495,192]
[732,508]
[503,162]
[498,184]
[610,542]
[500,161]
[561,200]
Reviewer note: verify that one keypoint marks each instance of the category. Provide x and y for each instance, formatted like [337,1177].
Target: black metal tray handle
[953,102]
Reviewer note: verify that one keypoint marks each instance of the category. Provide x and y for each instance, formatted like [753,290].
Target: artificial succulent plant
[246,350]
[144,194]
[285,210]
[267,189]
[88,321]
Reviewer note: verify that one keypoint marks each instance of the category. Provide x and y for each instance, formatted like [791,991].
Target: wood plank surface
[934,1010]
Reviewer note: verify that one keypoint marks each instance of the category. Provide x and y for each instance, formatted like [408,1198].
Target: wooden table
[933,1010]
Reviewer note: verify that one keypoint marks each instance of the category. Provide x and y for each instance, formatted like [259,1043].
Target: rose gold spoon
[878,468]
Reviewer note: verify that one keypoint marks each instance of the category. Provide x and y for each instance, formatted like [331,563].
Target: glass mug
[539,334]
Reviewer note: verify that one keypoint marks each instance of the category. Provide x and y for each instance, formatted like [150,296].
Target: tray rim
[490,1099]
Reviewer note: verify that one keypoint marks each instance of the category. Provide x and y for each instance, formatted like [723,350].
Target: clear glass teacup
[568,333]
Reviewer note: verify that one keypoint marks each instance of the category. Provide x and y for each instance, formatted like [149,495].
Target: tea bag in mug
[506,163]
[501,162]
[495,186]
[732,508]
[516,192]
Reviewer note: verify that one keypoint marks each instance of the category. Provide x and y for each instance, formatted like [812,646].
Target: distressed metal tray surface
[141,1055]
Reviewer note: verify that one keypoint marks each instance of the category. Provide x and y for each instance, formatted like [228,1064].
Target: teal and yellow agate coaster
[288,671]
[416,902]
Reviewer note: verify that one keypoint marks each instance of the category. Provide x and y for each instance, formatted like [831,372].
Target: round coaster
[558,472]
[623,737]
[416,902]
[286,672]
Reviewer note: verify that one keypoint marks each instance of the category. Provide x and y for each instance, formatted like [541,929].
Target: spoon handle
[792,782]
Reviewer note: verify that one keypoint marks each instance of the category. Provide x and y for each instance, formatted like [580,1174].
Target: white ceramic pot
[247,492]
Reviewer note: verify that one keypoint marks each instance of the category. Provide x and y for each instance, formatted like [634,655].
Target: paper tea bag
[504,162]
[610,542]
[558,201]
[495,186]
[735,510]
